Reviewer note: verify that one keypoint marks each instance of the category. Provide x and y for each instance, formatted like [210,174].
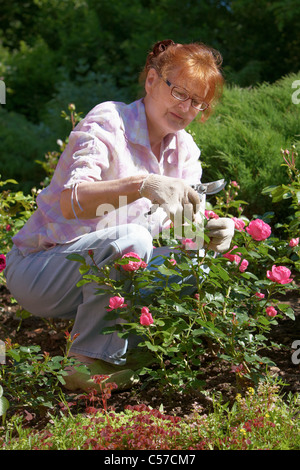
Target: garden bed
[217,376]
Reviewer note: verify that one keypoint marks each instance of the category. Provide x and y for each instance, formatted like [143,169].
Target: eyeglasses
[182,95]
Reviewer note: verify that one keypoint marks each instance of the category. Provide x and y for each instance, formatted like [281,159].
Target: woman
[120,161]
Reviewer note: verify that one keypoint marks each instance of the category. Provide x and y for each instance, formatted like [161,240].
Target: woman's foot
[121,376]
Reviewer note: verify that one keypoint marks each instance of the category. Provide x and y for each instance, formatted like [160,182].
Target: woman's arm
[92,194]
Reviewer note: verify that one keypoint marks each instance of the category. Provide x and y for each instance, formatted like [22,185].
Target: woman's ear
[151,80]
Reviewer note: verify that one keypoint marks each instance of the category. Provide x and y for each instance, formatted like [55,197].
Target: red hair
[198,64]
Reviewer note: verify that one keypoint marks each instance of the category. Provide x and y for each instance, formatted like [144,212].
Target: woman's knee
[137,239]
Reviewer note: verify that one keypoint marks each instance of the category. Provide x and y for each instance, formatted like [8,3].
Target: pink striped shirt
[111,142]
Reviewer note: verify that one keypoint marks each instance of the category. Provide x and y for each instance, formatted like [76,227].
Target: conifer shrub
[242,140]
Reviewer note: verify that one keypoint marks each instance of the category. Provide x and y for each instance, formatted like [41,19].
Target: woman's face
[163,111]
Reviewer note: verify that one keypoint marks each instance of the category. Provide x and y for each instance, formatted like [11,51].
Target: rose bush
[179,312]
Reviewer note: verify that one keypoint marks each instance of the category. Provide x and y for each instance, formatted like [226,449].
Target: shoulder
[107,115]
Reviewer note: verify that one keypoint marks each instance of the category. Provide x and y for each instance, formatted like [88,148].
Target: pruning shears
[209,188]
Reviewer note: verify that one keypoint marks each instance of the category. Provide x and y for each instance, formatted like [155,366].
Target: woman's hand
[173,194]
[220,232]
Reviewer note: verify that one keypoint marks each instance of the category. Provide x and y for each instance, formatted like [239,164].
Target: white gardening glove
[173,194]
[220,232]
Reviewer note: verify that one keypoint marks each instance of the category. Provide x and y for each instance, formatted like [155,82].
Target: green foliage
[86,89]
[32,379]
[15,210]
[260,34]
[34,81]
[22,143]
[290,227]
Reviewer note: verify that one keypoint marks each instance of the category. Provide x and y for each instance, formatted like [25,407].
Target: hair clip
[161,46]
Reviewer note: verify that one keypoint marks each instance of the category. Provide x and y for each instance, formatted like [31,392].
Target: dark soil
[218,378]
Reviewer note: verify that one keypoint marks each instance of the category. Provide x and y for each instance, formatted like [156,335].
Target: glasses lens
[199,105]
[183,95]
[179,94]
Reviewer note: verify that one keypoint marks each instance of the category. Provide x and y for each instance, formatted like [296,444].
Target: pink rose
[271,311]
[243,266]
[189,244]
[116,302]
[236,258]
[259,295]
[259,230]
[239,224]
[279,274]
[294,242]
[146,317]
[173,261]
[2,263]
[133,265]
[235,184]
[211,215]
[238,369]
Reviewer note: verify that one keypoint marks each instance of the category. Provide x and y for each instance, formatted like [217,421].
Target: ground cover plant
[258,420]
[225,319]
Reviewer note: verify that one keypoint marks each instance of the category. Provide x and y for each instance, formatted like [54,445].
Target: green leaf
[4,405]
[168,271]
[2,183]
[57,358]
[151,346]
[287,310]
[76,257]
[84,268]
[13,353]
[220,272]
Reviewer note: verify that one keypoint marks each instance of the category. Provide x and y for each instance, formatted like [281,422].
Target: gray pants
[44,283]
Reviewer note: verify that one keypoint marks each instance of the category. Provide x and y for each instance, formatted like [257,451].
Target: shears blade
[209,188]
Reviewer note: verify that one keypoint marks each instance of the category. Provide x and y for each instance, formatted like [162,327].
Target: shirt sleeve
[88,155]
